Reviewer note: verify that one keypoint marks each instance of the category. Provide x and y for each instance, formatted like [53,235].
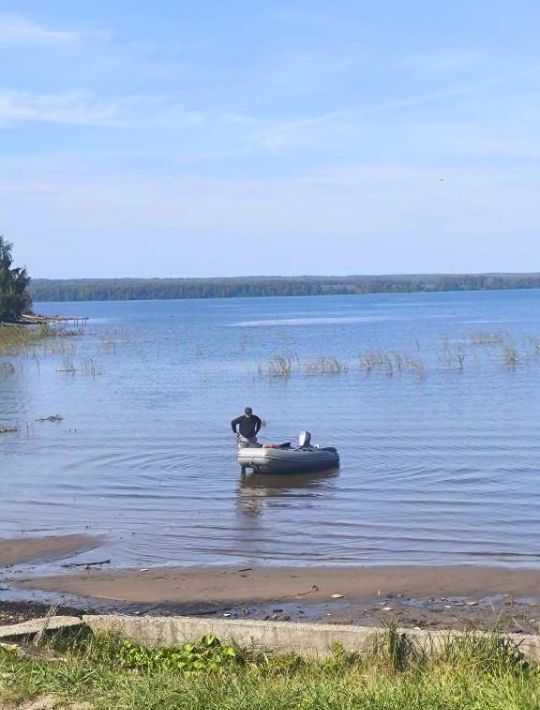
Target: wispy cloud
[284,134]
[80,109]
[17,29]
[69,108]
[442,62]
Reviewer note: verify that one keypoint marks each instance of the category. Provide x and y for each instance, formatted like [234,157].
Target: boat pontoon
[286,459]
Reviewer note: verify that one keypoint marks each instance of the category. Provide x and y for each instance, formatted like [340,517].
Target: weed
[279,365]
[466,673]
[6,369]
[325,366]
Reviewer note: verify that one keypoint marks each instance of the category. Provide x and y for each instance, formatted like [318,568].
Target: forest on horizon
[126,289]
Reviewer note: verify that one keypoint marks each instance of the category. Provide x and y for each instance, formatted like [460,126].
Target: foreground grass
[110,674]
[14,338]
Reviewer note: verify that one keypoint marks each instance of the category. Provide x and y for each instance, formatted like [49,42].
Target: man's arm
[234,424]
[258,425]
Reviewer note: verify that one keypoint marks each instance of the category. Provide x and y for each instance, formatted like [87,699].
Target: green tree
[14,295]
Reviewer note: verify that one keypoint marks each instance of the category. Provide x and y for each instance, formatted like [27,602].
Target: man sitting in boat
[246,427]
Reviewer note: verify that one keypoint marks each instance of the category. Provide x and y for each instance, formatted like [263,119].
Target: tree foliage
[15,297]
[174,288]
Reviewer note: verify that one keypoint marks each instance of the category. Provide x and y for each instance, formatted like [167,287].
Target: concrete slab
[39,626]
[311,640]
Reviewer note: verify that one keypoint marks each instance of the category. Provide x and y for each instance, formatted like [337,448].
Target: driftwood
[86,565]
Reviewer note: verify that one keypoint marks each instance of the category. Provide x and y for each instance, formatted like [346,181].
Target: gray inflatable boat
[285,459]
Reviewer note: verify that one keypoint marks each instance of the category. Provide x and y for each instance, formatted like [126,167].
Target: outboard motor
[304,439]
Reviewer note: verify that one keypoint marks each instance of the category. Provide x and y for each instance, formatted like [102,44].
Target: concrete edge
[39,626]
[310,640]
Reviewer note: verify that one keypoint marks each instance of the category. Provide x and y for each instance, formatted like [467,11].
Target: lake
[436,419]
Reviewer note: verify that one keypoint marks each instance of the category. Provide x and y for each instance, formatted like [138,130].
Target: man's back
[247,425]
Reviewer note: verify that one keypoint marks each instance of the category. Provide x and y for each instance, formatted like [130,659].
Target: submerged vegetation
[452,354]
[325,366]
[279,365]
[391,363]
[105,672]
[17,338]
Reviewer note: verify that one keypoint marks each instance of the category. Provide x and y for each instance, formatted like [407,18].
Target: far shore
[459,596]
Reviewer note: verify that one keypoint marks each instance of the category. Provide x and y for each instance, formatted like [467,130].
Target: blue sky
[232,138]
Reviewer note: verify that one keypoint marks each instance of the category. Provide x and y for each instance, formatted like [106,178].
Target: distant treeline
[146,289]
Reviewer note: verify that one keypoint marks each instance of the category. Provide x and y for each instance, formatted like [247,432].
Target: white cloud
[80,109]
[16,29]
[69,108]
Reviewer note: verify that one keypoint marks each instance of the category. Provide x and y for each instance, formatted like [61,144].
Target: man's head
[248,411]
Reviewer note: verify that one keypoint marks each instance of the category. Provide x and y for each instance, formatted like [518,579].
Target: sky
[211,138]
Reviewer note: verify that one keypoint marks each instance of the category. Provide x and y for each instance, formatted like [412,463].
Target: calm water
[437,469]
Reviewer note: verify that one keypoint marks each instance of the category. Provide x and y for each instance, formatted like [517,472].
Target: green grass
[469,675]
[14,338]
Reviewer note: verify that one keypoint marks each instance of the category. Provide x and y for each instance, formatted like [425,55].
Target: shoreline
[260,584]
[430,597]
[24,550]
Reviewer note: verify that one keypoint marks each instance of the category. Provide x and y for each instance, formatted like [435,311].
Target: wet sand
[43,549]
[237,584]
[427,597]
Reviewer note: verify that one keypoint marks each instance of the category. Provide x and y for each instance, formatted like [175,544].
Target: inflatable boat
[286,459]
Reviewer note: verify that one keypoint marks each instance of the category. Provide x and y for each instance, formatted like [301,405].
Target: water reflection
[255,490]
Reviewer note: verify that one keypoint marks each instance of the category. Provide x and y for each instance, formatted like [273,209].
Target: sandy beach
[43,549]
[426,597]
[267,584]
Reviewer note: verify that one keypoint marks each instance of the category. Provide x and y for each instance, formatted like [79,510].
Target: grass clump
[483,337]
[14,338]
[470,673]
[279,365]
[325,366]
[391,363]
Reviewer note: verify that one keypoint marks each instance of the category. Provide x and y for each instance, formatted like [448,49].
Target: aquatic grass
[415,366]
[374,360]
[7,369]
[67,366]
[279,365]
[391,363]
[87,366]
[15,339]
[325,365]
[510,355]
[452,356]
[483,337]
[532,345]
[470,673]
